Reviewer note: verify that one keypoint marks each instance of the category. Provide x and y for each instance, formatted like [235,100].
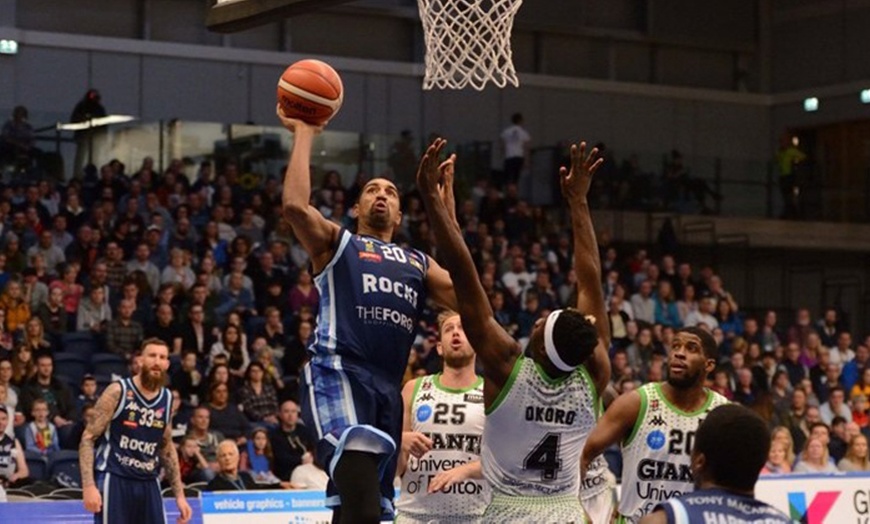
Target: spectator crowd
[91,268]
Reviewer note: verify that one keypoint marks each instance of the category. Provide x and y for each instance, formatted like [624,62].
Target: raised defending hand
[294,124]
[577,181]
[447,169]
[429,172]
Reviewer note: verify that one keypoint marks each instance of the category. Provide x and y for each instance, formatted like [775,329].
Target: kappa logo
[426,397]
[818,509]
[657,421]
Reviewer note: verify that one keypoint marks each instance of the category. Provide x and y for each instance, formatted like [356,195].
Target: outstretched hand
[429,171]
[577,181]
[294,124]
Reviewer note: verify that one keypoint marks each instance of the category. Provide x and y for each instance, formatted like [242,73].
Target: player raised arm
[104,411]
[169,458]
[587,263]
[497,350]
[614,426]
[316,234]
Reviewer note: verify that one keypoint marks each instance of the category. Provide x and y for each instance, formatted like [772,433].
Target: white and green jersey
[454,420]
[596,481]
[536,430]
[656,456]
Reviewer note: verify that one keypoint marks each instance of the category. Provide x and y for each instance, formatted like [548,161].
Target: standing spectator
[46,386]
[290,440]
[258,398]
[88,107]
[787,158]
[41,435]
[16,139]
[515,146]
[123,334]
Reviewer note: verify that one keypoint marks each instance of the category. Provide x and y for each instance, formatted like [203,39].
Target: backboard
[228,16]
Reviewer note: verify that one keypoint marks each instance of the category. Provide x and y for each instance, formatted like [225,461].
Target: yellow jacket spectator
[17,309]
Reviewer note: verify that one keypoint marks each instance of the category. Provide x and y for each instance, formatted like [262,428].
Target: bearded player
[656,425]
[132,423]
[540,409]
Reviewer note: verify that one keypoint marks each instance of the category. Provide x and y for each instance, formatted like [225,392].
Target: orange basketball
[310,90]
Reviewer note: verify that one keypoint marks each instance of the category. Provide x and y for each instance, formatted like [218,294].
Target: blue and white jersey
[371,296]
[717,505]
[130,446]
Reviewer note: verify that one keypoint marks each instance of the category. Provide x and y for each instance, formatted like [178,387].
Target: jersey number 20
[545,457]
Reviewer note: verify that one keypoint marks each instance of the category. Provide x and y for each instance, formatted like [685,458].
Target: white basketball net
[468,42]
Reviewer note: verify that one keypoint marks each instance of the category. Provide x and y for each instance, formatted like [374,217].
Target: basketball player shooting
[539,409]
[133,415]
[372,293]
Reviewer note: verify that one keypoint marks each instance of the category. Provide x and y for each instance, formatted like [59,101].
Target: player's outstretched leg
[356,478]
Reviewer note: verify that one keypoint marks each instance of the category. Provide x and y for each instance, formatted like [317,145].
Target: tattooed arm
[105,409]
[169,457]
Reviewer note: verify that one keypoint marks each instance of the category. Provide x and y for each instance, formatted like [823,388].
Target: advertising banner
[818,499]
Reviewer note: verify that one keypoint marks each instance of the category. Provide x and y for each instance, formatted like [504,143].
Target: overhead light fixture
[811,104]
[865,96]
[95,122]
[8,47]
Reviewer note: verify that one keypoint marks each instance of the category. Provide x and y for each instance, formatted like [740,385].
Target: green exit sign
[8,47]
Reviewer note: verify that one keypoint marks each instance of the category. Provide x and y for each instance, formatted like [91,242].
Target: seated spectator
[688,304]
[187,380]
[704,314]
[23,366]
[35,289]
[229,478]
[16,307]
[34,337]
[88,414]
[235,297]
[266,357]
[835,406]
[777,460]
[41,435]
[838,440]
[53,315]
[783,435]
[235,348]
[225,416]
[88,395]
[273,331]
[290,440]
[309,474]
[666,311]
[815,458]
[208,440]
[5,408]
[191,463]
[94,312]
[859,411]
[13,465]
[856,458]
[164,328]
[730,321]
[178,272]
[722,384]
[123,334]
[45,386]
[745,391]
[258,459]
[259,399]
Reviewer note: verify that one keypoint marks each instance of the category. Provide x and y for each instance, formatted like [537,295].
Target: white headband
[552,354]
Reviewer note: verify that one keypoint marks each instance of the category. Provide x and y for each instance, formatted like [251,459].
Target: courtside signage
[819,499]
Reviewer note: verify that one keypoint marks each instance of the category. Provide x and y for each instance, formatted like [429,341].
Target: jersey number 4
[545,457]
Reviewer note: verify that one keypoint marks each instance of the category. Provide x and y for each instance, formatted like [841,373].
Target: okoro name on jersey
[657,454]
[454,420]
